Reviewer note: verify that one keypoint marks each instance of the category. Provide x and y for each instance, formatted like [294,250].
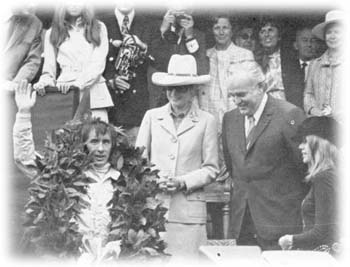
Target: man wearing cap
[263,160]
[180,140]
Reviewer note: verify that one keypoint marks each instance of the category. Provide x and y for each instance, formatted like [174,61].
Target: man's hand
[121,84]
[168,20]
[286,242]
[130,39]
[25,98]
[187,23]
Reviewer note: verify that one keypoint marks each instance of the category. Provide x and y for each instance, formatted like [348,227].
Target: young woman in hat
[319,208]
[323,84]
[181,141]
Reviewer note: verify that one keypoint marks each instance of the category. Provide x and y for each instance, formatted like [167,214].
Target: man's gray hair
[246,74]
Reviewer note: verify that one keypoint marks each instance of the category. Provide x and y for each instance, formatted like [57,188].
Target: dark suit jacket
[129,107]
[23,48]
[268,176]
[292,77]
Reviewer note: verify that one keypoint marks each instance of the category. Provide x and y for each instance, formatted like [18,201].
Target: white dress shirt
[120,17]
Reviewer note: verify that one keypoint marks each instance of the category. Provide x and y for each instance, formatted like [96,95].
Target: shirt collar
[109,173]
[120,17]
[304,61]
[192,112]
[260,109]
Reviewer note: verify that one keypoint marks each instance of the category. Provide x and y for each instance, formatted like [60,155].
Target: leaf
[39,217]
[143,221]
[152,203]
[120,162]
[150,251]
[132,236]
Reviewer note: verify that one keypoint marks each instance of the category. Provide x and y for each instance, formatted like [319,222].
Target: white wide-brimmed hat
[182,70]
[331,16]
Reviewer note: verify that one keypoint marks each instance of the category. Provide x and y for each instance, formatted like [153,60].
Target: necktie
[249,132]
[303,67]
[125,24]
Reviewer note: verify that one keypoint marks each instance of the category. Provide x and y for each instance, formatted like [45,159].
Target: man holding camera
[176,35]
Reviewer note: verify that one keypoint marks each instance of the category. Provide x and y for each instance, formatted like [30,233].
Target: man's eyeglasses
[246,36]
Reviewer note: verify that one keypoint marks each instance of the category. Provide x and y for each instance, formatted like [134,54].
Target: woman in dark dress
[319,208]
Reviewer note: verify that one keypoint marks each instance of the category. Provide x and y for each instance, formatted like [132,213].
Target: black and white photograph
[169,133]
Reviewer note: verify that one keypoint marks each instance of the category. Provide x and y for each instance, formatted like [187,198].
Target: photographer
[176,35]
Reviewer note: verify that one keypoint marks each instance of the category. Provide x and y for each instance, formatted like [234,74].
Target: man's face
[246,39]
[305,44]
[247,98]
[222,31]
[269,36]
[99,146]
[180,97]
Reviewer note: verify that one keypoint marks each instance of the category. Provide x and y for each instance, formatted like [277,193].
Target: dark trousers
[248,235]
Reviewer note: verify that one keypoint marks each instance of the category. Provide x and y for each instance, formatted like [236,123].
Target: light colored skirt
[183,240]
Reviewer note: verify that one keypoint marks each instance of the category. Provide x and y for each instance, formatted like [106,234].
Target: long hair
[323,156]
[61,24]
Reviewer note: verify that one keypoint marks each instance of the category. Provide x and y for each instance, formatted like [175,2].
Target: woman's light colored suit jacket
[189,153]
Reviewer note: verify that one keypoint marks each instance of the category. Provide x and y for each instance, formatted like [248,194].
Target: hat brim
[318,30]
[165,79]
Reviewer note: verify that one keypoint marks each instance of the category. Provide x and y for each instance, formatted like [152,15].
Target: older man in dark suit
[263,161]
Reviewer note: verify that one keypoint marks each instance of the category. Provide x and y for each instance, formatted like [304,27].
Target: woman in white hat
[323,85]
[181,141]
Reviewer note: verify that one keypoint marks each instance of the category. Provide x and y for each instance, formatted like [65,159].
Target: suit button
[174,140]
[171,156]
[111,58]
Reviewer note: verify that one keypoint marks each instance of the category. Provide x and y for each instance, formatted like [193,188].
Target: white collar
[260,110]
[304,61]
[120,17]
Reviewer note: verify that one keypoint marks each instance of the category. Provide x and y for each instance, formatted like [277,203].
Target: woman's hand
[25,98]
[64,87]
[40,87]
[286,242]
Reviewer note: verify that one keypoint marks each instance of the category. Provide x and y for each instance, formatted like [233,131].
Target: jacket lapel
[263,122]
[189,121]
[166,121]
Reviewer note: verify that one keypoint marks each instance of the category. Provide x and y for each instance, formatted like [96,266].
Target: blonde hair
[323,155]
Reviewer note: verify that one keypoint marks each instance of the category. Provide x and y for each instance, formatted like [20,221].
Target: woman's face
[305,152]
[74,10]
[99,146]
[222,31]
[246,39]
[333,36]
[269,36]
[180,97]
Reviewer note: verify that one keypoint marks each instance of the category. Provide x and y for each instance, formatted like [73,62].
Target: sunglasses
[246,36]
[179,89]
